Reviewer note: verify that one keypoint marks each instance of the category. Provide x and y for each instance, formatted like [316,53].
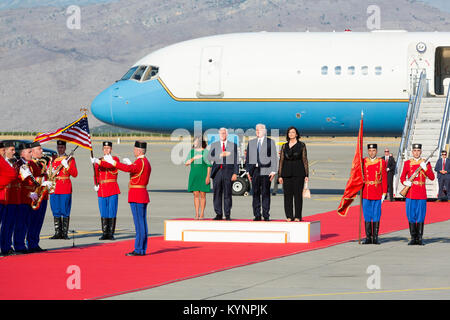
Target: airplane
[318,82]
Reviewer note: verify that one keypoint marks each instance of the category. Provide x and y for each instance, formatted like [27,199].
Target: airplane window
[138,74]
[365,70]
[129,74]
[324,70]
[351,70]
[337,70]
[152,72]
[378,70]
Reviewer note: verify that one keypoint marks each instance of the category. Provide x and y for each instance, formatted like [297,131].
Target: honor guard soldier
[61,199]
[7,175]
[374,193]
[137,195]
[416,198]
[38,215]
[11,202]
[108,191]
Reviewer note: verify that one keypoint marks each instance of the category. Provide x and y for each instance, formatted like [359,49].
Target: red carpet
[105,271]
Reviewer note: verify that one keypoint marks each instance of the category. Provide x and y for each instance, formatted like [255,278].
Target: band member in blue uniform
[37,216]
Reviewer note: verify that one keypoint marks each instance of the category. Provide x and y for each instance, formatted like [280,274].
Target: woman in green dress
[199,176]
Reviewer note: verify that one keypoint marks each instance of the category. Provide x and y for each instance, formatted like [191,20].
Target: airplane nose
[101,107]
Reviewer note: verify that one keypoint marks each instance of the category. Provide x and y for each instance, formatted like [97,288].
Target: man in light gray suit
[261,163]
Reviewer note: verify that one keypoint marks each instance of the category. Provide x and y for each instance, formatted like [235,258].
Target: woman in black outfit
[293,172]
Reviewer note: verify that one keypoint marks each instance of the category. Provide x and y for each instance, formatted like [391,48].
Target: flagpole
[84,110]
[361,191]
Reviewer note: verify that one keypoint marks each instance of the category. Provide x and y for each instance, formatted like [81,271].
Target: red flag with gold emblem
[356,180]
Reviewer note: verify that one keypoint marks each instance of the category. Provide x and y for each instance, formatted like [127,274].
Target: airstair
[427,123]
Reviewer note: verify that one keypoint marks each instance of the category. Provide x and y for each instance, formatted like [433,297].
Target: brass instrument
[42,191]
[405,190]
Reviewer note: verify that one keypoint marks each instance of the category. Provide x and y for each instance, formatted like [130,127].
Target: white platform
[241,231]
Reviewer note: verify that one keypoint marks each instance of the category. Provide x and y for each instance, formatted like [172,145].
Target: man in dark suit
[261,163]
[390,169]
[443,174]
[223,156]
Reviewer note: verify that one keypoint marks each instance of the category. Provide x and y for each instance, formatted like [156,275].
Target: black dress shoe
[24,251]
[37,249]
[133,254]
[257,219]
[218,217]
[228,218]
[10,252]
[266,219]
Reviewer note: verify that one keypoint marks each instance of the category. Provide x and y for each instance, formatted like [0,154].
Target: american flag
[77,132]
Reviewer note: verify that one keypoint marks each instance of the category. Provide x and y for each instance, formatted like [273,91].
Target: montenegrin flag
[356,180]
[76,132]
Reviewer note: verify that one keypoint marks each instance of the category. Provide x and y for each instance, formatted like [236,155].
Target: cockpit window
[129,73]
[139,73]
[152,72]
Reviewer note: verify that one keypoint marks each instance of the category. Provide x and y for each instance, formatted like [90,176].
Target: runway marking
[352,293]
[329,199]
[80,233]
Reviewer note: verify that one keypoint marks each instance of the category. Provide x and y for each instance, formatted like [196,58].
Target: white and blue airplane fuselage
[317,82]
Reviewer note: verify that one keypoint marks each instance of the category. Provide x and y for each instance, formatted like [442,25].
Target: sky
[443,5]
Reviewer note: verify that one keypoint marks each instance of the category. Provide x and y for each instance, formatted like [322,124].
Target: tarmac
[391,270]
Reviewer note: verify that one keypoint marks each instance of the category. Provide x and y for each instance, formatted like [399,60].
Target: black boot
[376,228]
[65,228]
[368,226]
[57,221]
[112,229]
[413,232]
[420,233]
[104,229]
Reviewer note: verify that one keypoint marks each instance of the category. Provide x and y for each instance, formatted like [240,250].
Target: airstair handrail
[413,110]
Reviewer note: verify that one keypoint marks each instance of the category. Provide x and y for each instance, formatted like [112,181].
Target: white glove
[127,161]
[108,158]
[423,165]
[65,163]
[383,197]
[96,188]
[407,183]
[25,172]
[47,184]
[33,196]
[95,160]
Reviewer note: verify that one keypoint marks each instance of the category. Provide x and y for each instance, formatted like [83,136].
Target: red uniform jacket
[418,189]
[106,176]
[27,185]
[139,177]
[8,174]
[375,179]
[63,183]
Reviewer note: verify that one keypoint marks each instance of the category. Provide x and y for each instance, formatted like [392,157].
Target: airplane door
[210,73]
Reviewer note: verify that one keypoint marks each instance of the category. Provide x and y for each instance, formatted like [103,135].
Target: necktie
[223,150]
[443,165]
